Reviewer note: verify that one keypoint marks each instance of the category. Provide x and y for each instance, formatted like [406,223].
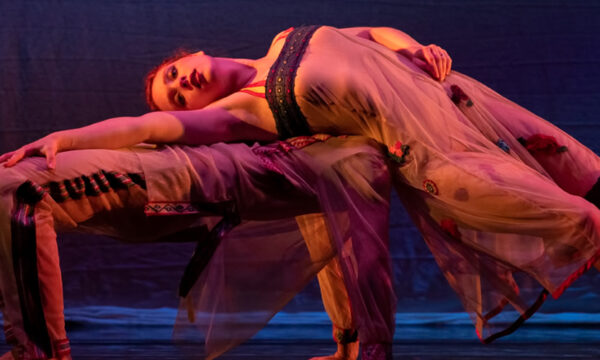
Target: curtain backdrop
[68,63]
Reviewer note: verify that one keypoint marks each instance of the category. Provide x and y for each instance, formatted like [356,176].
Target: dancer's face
[185,84]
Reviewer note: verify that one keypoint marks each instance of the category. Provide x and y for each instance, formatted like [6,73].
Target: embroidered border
[281,147]
[171,208]
[279,88]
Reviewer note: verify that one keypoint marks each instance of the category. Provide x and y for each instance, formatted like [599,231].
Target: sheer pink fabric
[262,264]
[495,190]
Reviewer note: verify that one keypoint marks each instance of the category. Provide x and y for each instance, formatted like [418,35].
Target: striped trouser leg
[34,204]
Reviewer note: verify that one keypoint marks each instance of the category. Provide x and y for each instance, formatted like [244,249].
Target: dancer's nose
[185,83]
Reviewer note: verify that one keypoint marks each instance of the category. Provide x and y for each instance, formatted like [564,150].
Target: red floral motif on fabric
[398,152]
[459,95]
[540,143]
[450,227]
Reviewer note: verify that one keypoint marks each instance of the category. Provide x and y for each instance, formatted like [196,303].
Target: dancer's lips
[197,79]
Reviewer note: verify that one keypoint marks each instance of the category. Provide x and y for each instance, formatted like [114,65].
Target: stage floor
[105,332]
[422,350]
[439,342]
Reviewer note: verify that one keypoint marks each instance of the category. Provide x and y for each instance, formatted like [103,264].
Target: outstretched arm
[191,127]
[431,58]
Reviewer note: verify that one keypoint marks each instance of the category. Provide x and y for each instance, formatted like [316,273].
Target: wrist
[410,51]
[63,141]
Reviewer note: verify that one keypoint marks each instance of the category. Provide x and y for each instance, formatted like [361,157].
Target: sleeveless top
[279,87]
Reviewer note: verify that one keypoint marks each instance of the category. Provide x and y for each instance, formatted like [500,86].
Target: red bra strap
[285,34]
[248,89]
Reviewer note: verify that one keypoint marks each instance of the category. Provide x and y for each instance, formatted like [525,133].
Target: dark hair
[152,74]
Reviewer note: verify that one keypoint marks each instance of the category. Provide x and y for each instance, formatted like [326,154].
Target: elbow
[160,127]
[145,127]
[381,31]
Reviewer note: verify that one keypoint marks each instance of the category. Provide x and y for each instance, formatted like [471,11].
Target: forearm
[431,58]
[395,40]
[112,133]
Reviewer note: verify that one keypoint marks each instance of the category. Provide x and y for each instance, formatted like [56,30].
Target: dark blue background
[73,62]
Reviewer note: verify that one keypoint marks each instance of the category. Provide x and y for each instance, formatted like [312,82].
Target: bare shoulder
[281,35]
[277,42]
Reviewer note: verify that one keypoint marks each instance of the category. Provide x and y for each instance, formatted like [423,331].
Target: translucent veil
[260,265]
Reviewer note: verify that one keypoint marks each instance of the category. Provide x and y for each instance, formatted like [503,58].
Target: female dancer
[476,171]
[497,192]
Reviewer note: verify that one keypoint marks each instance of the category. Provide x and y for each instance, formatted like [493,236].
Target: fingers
[446,63]
[47,147]
[50,152]
[438,62]
[443,62]
[15,158]
[442,57]
[6,156]
[430,59]
[51,161]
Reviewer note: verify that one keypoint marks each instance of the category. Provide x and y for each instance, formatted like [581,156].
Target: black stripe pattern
[24,245]
[24,240]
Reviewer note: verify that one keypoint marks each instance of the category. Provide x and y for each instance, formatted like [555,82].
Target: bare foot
[344,352]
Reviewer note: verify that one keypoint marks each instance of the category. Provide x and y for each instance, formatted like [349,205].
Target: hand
[434,60]
[47,146]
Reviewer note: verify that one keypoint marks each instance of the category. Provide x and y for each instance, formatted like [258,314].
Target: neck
[239,73]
